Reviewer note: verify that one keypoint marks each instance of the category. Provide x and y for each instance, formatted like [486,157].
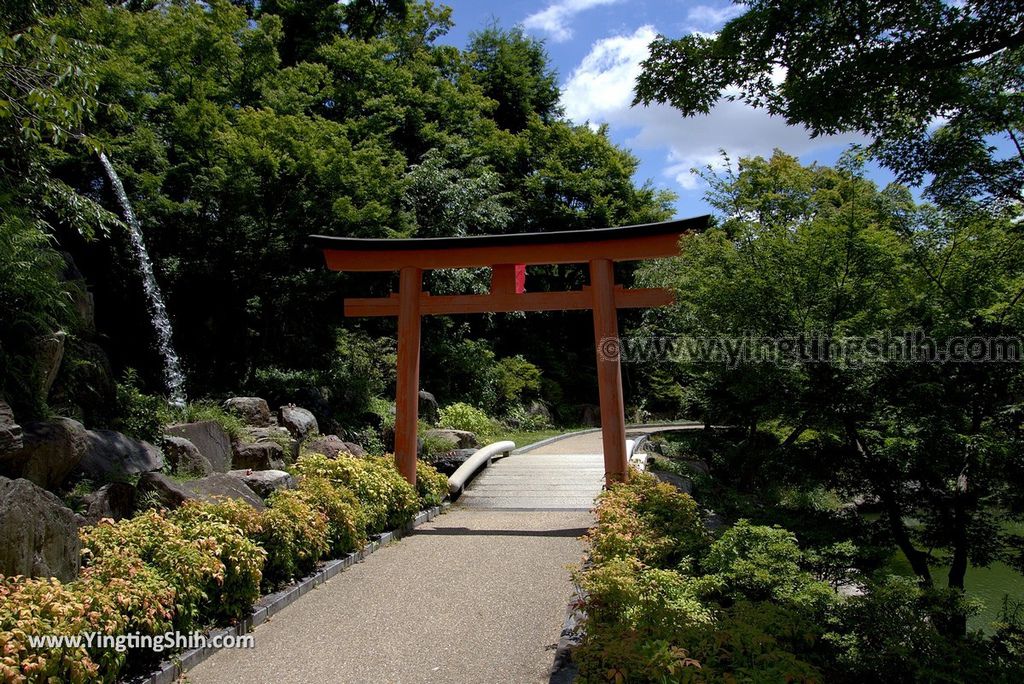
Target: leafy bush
[294,534]
[757,562]
[516,380]
[436,446]
[648,520]
[141,416]
[431,486]
[346,524]
[388,501]
[461,416]
[208,410]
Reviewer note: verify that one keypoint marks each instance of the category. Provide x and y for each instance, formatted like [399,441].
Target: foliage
[140,415]
[517,380]
[461,416]
[196,411]
[431,486]
[388,501]
[936,86]
[346,527]
[295,535]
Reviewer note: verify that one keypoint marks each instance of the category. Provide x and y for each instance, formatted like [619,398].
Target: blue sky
[596,46]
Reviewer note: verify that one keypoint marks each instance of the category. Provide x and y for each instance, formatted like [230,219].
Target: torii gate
[507,256]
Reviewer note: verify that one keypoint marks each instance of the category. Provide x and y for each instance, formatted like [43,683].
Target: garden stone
[277,434]
[257,455]
[265,482]
[10,432]
[52,451]
[184,457]
[168,493]
[428,407]
[538,410]
[448,463]
[211,440]
[683,484]
[252,411]
[111,455]
[49,352]
[115,500]
[590,415]
[221,486]
[300,422]
[333,446]
[38,533]
[460,438]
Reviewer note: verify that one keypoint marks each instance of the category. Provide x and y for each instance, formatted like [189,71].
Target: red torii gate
[507,256]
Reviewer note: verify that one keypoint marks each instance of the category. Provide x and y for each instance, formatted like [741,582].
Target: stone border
[170,670]
[564,669]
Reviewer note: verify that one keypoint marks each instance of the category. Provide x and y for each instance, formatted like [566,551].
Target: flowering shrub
[388,501]
[431,486]
[346,524]
[461,416]
[294,535]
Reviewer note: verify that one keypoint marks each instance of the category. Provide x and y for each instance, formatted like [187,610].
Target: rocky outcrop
[111,455]
[52,450]
[683,484]
[115,500]
[428,407]
[300,422]
[49,352]
[460,438]
[38,534]
[265,482]
[539,411]
[163,491]
[10,432]
[264,455]
[184,457]
[252,411]
[210,438]
[332,446]
[223,486]
[276,434]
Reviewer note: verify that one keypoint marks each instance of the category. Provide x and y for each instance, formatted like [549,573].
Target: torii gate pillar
[507,256]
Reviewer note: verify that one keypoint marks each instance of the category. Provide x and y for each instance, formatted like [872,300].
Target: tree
[935,85]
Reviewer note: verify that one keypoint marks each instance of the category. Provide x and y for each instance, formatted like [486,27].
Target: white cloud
[708,17]
[600,90]
[554,18]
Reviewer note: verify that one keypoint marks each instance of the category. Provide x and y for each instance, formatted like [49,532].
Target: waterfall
[174,379]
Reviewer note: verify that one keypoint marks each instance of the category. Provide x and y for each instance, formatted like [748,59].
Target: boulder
[277,434]
[111,455]
[539,411]
[164,491]
[300,422]
[52,450]
[590,415]
[450,462]
[428,407]
[683,484]
[10,432]
[49,352]
[265,482]
[460,438]
[38,533]
[114,500]
[252,411]
[223,486]
[264,455]
[211,440]
[332,446]
[184,457]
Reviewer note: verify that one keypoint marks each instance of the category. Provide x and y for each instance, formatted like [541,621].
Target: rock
[49,352]
[715,522]
[111,455]
[450,462]
[460,438]
[114,500]
[539,411]
[590,415]
[10,432]
[253,411]
[700,467]
[300,422]
[166,492]
[681,483]
[264,455]
[277,434]
[53,450]
[184,457]
[223,486]
[332,446]
[428,407]
[265,482]
[211,440]
[38,534]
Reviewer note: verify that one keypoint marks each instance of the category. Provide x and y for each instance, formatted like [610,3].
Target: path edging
[170,670]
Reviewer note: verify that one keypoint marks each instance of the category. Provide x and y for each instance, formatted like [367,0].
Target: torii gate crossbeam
[507,256]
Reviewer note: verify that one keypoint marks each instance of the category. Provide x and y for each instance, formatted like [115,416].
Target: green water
[989,585]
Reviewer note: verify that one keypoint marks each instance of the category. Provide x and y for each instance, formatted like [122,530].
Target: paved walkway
[476,596]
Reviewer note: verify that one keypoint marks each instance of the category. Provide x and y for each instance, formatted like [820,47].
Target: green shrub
[295,536]
[431,486]
[346,524]
[461,416]
[436,446]
[208,410]
[141,416]
[189,565]
[234,594]
[516,380]
[757,562]
[388,501]
[648,520]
